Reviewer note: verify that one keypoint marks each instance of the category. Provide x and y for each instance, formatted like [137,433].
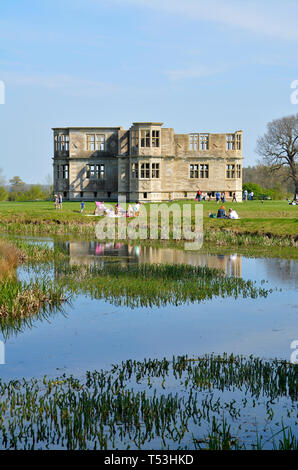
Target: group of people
[131,211]
[221,214]
[248,195]
[58,201]
[218,196]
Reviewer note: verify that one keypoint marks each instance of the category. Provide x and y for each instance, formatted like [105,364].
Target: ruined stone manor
[147,163]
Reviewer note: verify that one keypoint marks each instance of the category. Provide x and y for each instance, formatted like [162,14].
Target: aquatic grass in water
[183,403]
[19,299]
[153,285]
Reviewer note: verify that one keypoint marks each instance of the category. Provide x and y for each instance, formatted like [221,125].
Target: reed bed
[19,299]
[208,402]
[148,285]
[9,258]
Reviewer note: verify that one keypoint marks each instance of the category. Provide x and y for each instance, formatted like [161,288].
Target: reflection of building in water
[230,264]
[92,252]
[283,270]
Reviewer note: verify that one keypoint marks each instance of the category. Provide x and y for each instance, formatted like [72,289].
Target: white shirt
[233,215]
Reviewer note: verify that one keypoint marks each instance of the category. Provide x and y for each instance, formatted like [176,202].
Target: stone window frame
[230,142]
[65,171]
[204,170]
[95,171]
[155,138]
[238,171]
[155,170]
[238,141]
[135,170]
[134,138]
[230,171]
[62,143]
[194,170]
[199,142]
[95,142]
[145,138]
[144,171]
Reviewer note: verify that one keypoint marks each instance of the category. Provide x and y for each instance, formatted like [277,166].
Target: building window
[239,171]
[134,138]
[100,171]
[155,138]
[65,172]
[204,141]
[155,170]
[230,143]
[194,142]
[62,143]
[145,195]
[109,194]
[65,194]
[145,170]
[145,138]
[134,170]
[58,172]
[95,142]
[95,171]
[95,194]
[194,171]
[230,171]
[238,141]
[81,194]
[204,171]
[199,142]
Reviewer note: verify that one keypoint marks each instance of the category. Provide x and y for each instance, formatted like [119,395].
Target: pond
[90,334]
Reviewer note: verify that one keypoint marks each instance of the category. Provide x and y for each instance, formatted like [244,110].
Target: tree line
[18,190]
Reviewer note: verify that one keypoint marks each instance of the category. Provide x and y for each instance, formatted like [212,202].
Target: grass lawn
[273,218]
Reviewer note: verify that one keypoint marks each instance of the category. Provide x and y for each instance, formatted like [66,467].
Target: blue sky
[215,66]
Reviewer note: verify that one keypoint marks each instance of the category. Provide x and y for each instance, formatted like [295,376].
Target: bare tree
[279,146]
[2,178]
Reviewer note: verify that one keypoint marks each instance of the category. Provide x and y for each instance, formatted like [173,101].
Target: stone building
[147,163]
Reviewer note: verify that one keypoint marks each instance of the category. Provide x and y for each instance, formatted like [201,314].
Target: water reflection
[91,252]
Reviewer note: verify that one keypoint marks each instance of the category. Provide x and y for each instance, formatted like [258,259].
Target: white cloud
[190,73]
[275,19]
[69,84]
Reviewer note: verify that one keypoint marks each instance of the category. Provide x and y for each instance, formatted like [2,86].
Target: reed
[161,403]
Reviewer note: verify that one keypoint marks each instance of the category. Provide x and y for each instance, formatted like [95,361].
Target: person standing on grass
[56,201]
[217,196]
[234,198]
[223,198]
[82,207]
[60,201]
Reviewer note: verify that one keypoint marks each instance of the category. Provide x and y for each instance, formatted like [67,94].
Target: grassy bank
[271,222]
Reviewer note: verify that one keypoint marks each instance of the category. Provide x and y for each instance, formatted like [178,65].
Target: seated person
[233,214]
[221,213]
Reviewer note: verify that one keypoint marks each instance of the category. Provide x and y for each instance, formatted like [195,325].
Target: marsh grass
[9,258]
[19,299]
[148,285]
[182,403]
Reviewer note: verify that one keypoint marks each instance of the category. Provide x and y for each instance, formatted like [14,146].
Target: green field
[272,219]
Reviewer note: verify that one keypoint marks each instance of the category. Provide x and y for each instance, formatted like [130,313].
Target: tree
[2,178]
[17,185]
[3,194]
[279,146]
